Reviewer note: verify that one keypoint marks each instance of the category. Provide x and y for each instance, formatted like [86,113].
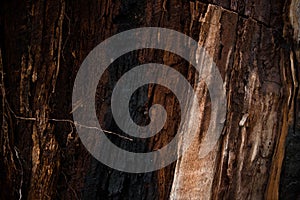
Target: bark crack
[245,16]
[22,172]
[59,49]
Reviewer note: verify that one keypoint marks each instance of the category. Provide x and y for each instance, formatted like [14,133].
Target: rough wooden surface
[260,83]
[255,45]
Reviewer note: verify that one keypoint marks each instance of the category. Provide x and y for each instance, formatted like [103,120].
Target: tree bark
[255,45]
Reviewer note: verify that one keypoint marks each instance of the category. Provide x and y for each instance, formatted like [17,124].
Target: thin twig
[22,173]
[69,121]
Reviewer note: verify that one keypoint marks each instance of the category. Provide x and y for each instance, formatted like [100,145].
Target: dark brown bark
[255,45]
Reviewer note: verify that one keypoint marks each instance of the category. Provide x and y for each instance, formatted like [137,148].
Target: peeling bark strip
[194,176]
[250,156]
[255,44]
[45,150]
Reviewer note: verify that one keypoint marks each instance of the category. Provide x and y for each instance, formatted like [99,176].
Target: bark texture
[255,45]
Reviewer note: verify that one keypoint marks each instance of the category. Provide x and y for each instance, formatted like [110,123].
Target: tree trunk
[255,45]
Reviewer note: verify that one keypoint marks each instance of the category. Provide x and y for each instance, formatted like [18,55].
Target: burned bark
[255,45]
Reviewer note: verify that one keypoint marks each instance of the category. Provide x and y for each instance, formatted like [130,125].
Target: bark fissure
[255,45]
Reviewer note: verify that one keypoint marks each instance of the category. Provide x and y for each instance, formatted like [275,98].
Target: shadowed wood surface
[255,45]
